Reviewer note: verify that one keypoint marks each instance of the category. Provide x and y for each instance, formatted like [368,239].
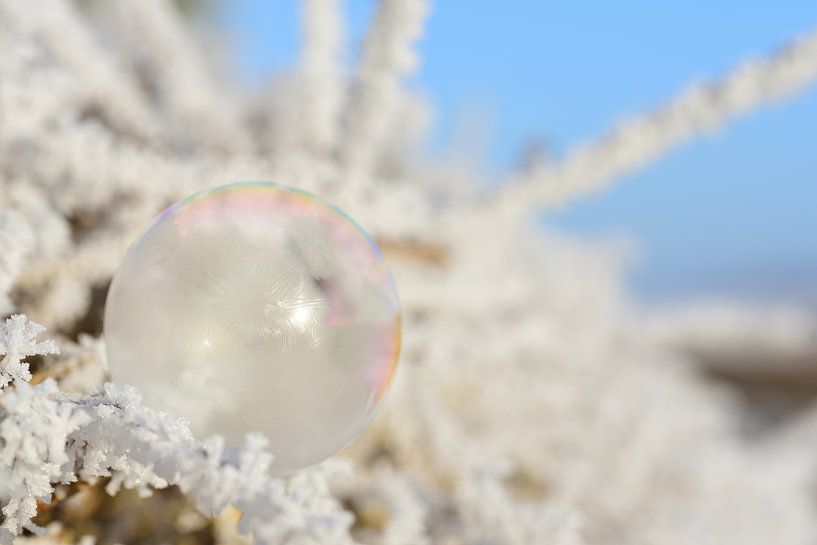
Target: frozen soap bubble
[255,307]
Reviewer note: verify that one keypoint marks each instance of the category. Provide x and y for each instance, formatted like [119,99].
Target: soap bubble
[256,307]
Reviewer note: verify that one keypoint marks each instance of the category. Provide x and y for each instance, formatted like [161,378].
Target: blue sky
[734,213]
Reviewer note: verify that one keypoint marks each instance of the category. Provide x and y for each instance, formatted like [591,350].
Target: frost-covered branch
[67,36]
[388,57]
[164,54]
[321,74]
[301,137]
[18,340]
[637,141]
[49,437]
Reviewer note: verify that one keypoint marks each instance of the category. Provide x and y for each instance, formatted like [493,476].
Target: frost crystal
[18,340]
[49,437]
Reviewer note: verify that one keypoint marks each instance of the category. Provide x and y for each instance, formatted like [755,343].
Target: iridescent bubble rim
[253,202]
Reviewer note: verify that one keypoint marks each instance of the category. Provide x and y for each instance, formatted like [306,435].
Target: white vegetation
[699,109]
[51,437]
[533,405]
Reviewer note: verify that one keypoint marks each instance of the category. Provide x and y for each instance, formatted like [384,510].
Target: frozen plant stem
[49,437]
[642,139]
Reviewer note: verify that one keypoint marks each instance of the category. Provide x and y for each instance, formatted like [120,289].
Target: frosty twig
[388,56]
[639,140]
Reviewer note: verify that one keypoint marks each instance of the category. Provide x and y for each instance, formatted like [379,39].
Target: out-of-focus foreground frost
[533,403]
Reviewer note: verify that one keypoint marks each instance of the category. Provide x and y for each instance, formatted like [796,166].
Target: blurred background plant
[539,399]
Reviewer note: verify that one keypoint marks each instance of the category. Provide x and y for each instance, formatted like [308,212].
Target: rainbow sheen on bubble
[257,308]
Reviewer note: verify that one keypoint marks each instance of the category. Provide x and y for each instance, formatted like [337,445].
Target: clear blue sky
[731,214]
